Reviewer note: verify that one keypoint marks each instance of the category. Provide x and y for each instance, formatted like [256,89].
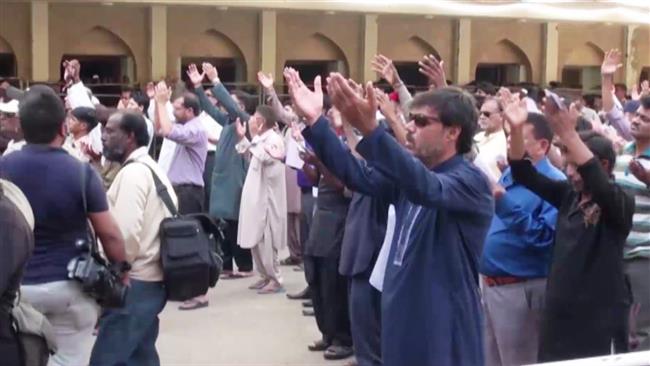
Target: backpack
[191,259]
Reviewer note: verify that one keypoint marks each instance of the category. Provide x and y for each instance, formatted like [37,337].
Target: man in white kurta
[263,210]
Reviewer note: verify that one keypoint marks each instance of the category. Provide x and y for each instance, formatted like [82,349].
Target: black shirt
[587,261]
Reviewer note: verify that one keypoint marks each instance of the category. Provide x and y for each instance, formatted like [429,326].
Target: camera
[97,278]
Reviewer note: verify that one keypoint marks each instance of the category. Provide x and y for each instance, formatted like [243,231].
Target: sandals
[193,304]
[259,284]
[271,288]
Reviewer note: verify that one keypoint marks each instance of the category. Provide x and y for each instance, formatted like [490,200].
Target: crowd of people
[462,225]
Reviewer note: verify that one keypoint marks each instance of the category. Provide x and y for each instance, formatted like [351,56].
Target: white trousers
[73,316]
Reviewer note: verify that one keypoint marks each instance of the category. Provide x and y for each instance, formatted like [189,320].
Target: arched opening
[645,74]
[503,64]
[582,67]
[105,58]
[217,49]
[317,55]
[406,59]
[7,60]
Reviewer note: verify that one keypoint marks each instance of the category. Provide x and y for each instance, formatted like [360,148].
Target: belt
[501,281]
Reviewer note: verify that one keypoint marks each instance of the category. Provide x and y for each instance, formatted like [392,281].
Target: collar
[137,154]
[262,137]
[42,148]
[449,164]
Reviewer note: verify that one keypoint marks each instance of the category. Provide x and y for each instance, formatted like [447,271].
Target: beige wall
[123,28]
[302,35]
[588,41]
[521,39]
[408,38]
[210,32]
[318,36]
[15,30]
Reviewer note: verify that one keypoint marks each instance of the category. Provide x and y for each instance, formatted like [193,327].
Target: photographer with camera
[128,336]
[51,179]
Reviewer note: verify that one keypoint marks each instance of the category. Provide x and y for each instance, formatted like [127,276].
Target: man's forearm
[606,91]
[577,150]
[517,150]
[163,124]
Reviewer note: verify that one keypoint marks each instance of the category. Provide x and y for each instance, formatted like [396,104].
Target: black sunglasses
[421,120]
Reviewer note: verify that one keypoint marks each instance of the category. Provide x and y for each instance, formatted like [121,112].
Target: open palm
[516,112]
[195,77]
[266,80]
[308,103]
[612,62]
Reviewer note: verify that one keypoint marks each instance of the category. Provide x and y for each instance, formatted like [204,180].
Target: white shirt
[138,210]
[168,146]
[491,148]
[14,146]
[212,129]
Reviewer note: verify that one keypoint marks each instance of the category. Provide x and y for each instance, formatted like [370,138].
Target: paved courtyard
[241,328]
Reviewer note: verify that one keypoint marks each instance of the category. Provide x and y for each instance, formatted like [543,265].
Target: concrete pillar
[268,45]
[551,47]
[370,44]
[463,51]
[158,42]
[40,41]
[632,73]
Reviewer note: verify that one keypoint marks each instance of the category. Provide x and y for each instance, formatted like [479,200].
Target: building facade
[137,41]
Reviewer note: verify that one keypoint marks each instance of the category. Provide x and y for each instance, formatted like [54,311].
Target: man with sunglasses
[10,126]
[431,311]
[491,142]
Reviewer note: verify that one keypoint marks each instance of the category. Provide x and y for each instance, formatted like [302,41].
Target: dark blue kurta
[431,312]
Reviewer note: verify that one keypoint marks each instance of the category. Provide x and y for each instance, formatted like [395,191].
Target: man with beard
[128,335]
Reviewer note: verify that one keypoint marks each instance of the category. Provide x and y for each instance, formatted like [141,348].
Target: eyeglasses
[486,114]
[422,120]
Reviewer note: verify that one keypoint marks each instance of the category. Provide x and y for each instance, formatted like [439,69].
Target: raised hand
[639,171]
[296,133]
[612,62]
[308,103]
[385,68]
[161,93]
[266,80]
[195,77]
[635,94]
[211,72]
[434,70]
[645,88]
[360,112]
[386,106]
[561,121]
[515,111]
[240,129]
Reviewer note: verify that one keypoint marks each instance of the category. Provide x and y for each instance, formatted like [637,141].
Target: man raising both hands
[430,301]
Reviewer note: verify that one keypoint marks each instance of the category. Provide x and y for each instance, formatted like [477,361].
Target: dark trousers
[329,294]
[365,320]
[307,202]
[207,177]
[232,251]
[583,332]
[127,336]
[190,198]
[9,346]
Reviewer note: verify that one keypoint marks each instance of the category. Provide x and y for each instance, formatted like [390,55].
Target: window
[501,74]
[230,70]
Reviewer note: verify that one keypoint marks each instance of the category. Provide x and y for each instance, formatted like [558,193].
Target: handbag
[190,257]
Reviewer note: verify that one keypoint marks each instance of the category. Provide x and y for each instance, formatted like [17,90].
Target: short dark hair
[86,115]
[600,146]
[41,115]
[103,113]
[141,99]
[191,101]
[126,88]
[486,87]
[541,128]
[133,122]
[619,86]
[246,99]
[269,115]
[455,107]
[645,102]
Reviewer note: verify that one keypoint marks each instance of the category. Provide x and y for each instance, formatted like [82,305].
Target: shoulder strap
[161,189]
[91,232]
